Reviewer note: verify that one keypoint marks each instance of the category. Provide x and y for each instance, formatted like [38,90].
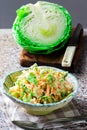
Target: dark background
[77,9]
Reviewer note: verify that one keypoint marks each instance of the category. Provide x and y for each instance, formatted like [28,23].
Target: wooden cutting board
[54,59]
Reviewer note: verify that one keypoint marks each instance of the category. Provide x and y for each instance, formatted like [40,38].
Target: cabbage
[42,28]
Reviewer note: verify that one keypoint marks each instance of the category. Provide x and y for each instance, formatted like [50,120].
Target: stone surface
[9,61]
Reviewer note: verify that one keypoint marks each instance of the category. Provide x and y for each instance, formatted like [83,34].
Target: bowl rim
[67,98]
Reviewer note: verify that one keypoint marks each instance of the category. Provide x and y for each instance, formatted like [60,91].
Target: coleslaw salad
[41,85]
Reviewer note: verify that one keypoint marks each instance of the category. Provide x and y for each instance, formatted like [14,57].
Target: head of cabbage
[42,28]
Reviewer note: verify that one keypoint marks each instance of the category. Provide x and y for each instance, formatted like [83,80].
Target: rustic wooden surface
[54,59]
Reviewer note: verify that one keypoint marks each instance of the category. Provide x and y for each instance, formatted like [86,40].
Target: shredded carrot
[41,85]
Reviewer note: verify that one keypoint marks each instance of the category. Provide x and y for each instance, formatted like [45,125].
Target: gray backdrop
[77,8]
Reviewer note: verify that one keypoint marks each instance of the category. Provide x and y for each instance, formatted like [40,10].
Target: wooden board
[54,59]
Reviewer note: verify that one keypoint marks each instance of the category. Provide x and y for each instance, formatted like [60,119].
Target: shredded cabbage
[41,85]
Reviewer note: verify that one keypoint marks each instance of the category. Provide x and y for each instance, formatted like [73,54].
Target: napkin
[15,112]
[11,111]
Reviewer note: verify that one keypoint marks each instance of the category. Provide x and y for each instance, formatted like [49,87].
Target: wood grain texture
[54,59]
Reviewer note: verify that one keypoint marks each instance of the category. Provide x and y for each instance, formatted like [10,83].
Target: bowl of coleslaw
[40,89]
